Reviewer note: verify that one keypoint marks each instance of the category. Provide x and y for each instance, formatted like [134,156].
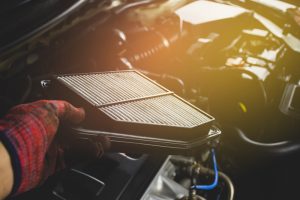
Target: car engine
[235,60]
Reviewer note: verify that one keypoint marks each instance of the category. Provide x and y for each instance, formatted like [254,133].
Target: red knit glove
[27,132]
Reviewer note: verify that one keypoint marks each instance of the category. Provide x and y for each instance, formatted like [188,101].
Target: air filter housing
[128,102]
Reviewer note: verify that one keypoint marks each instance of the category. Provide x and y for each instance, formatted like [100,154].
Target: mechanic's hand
[27,132]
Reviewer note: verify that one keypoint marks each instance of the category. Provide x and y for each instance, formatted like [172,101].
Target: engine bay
[236,63]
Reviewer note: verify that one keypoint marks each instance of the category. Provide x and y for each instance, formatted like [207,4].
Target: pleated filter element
[130,97]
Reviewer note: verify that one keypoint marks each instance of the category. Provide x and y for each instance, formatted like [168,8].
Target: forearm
[6,173]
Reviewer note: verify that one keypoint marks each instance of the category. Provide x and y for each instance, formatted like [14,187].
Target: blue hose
[216,179]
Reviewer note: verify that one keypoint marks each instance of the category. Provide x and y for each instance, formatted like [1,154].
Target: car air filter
[129,103]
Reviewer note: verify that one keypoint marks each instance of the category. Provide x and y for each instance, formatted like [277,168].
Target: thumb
[66,111]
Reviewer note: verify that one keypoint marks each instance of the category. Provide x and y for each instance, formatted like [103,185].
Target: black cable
[261,150]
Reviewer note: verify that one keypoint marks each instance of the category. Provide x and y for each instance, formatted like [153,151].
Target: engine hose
[229,183]
[282,148]
[226,179]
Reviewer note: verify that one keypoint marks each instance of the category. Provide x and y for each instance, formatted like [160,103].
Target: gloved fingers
[62,109]
[82,149]
[100,144]
[104,141]
[54,160]
[66,111]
